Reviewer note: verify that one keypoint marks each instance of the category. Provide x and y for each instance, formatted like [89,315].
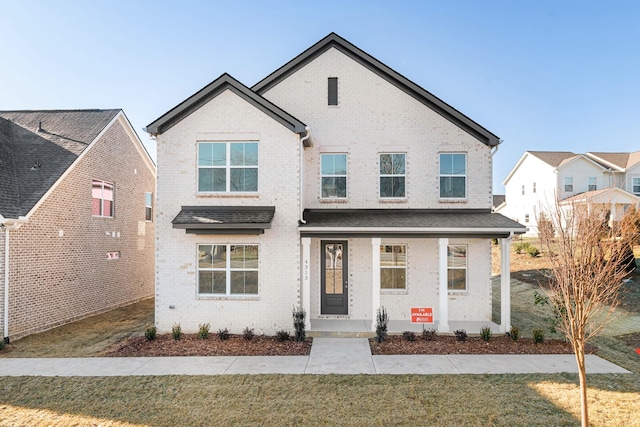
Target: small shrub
[485,333]
[298,323]
[515,333]
[494,242]
[176,331]
[538,336]
[150,334]
[247,333]
[429,334]
[223,334]
[533,251]
[283,335]
[522,247]
[409,335]
[1,345]
[382,320]
[203,332]
[461,334]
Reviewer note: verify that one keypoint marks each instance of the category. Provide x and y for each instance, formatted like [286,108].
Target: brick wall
[59,271]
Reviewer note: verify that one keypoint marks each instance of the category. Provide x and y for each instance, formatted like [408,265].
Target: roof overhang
[224,219]
[433,223]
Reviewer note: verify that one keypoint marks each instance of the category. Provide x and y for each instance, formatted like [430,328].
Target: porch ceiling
[403,222]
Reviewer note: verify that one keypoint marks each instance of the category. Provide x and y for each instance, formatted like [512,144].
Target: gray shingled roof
[64,135]
[225,218]
[553,158]
[441,222]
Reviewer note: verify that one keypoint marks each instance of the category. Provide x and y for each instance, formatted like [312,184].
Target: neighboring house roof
[335,41]
[215,88]
[609,195]
[554,158]
[37,147]
[224,219]
[619,161]
[433,222]
[498,199]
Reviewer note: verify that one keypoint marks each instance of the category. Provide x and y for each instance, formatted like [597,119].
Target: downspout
[5,322]
[301,202]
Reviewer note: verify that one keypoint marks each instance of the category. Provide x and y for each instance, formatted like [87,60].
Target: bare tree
[589,262]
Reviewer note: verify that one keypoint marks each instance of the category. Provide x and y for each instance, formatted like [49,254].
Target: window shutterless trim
[228,168]
[228,269]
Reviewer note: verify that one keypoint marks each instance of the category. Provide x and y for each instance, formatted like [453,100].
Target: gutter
[424,230]
[8,225]
[301,202]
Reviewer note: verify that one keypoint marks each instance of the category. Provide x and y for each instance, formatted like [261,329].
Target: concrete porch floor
[362,328]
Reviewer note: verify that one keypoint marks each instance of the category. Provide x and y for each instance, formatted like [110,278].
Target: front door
[334,294]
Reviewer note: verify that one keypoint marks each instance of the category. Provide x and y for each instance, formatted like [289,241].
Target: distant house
[76,217]
[542,178]
[334,184]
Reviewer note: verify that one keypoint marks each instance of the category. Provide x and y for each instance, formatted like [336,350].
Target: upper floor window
[457,268]
[453,175]
[227,167]
[635,184]
[228,269]
[334,175]
[393,267]
[392,175]
[523,189]
[148,206]
[526,218]
[332,96]
[568,184]
[534,188]
[102,198]
[593,184]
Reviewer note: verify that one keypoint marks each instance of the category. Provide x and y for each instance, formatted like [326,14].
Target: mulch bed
[445,344]
[192,345]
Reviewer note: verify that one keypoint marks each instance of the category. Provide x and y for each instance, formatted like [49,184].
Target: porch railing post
[375,278]
[443,322]
[306,280]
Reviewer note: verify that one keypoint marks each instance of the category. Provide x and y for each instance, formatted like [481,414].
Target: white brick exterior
[373,116]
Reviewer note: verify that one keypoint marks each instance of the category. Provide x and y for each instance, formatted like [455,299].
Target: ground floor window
[457,267]
[393,267]
[228,269]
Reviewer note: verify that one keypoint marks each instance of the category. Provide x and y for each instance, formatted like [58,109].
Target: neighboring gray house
[334,184]
[76,220]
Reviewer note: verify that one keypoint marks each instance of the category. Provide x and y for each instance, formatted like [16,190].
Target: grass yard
[439,400]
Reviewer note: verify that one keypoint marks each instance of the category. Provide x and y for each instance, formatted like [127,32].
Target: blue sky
[543,75]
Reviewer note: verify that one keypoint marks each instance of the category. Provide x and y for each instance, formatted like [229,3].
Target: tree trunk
[582,374]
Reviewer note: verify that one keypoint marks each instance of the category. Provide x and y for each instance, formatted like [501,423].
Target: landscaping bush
[283,335]
[382,320]
[538,336]
[461,334]
[522,247]
[429,334]
[515,333]
[485,333]
[298,323]
[150,334]
[409,335]
[176,331]
[203,332]
[533,251]
[247,333]
[224,334]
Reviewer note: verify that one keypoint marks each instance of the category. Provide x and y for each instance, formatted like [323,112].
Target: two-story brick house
[541,178]
[76,217]
[334,184]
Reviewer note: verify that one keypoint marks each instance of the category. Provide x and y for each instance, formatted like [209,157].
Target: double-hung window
[592,184]
[148,206]
[393,267]
[568,184]
[102,198]
[453,175]
[227,269]
[392,175]
[457,267]
[227,167]
[334,175]
[635,184]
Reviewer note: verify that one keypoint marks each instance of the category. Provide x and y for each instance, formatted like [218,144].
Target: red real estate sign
[421,315]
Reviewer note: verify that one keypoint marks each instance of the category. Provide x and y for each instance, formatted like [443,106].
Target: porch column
[306,280]
[375,278]
[505,285]
[443,322]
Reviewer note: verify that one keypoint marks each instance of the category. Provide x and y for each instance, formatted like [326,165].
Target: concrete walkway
[328,356]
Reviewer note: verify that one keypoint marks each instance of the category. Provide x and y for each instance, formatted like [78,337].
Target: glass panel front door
[334,293]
